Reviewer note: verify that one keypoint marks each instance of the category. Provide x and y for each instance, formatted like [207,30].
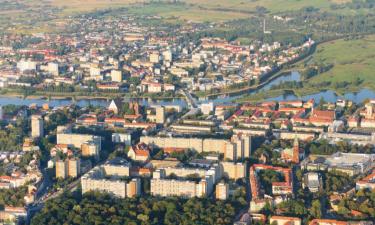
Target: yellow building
[154,57]
[90,149]
[222,191]
[116,76]
[36,126]
[281,220]
[68,168]
[96,180]
[234,170]
[61,169]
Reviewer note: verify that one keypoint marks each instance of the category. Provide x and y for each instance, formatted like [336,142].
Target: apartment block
[222,191]
[61,169]
[37,126]
[116,76]
[125,138]
[234,170]
[281,220]
[77,140]
[68,168]
[197,144]
[90,149]
[162,186]
[158,116]
[111,178]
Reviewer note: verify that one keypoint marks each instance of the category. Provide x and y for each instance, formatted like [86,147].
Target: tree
[316,209]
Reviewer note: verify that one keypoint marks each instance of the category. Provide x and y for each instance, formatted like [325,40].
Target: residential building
[222,191]
[162,186]
[327,222]
[234,170]
[116,76]
[367,182]
[155,57]
[37,126]
[53,68]
[125,138]
[68,168]
[198,144]
[109,179]
[74,167]
[61,169]
[15,215]
[26,65]
[90,149]
[139,152]
[77,140]
[283,220]
[157,115]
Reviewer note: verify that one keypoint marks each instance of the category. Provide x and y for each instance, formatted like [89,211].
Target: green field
[273,6]
[187,10]
[352,59]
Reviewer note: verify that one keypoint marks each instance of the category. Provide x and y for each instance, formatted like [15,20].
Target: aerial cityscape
[241,112]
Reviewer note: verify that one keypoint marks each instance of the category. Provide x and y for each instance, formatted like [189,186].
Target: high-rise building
[230,151]
[167,55]
[160,114]
[37,126]
[53,68]
[113,177]
[207,108]
[116,75]
[90,149]
[77,140]
[74,167]
[68,168]
[95,71]
[222,191]
[61,169]
[369,110]
[157,114]
[154,57]
[26,65]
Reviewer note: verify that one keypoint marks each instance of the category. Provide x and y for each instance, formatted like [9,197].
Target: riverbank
[354,94]
[266,79]
[78,96]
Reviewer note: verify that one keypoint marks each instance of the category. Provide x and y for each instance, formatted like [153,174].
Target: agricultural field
[23,16]
[352,59]
[195,10]
[272,6]
[202,10]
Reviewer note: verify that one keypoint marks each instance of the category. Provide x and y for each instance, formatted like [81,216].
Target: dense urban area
[187,112]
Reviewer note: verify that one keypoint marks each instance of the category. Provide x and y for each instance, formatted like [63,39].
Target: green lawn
[352,59]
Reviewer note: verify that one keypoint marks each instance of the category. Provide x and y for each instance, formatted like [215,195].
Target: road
[43,195]
[192,103]
[190,100]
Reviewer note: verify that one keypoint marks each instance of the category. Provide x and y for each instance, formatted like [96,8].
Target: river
[5,100]
[328,95]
